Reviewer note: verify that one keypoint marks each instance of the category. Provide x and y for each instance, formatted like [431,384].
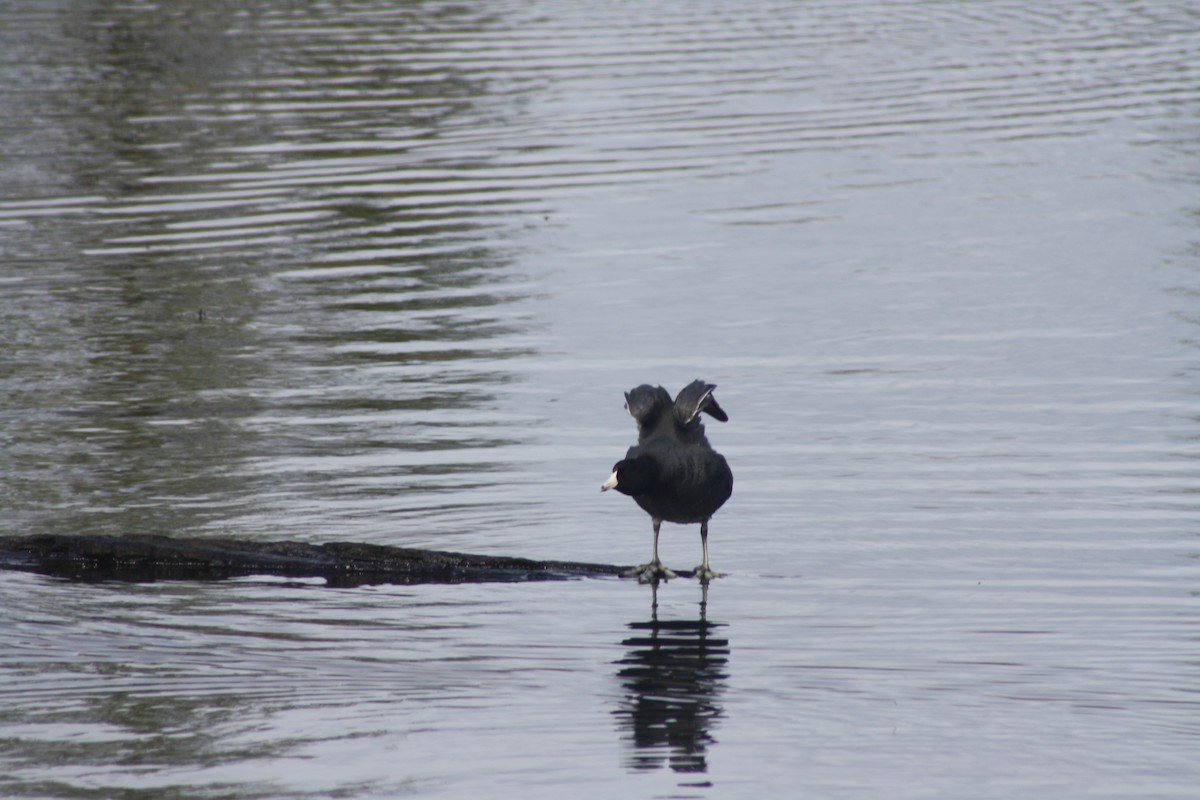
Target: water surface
[368,272]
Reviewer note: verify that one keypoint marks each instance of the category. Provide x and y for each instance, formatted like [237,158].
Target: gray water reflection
[674,674]
[240,308]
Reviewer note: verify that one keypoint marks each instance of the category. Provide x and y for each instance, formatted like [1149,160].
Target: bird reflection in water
[674,673]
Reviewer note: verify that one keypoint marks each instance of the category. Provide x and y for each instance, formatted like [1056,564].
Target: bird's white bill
[610,483]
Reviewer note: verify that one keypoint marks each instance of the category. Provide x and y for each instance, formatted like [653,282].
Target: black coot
[672,472]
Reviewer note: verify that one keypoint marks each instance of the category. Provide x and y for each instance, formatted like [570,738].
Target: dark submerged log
[151,558]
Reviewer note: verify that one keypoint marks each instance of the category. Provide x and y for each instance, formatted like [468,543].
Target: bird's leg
[704,572]
[654,557]
[655,569]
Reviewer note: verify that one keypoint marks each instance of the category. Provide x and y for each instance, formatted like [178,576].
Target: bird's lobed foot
[646,573]
[705,574]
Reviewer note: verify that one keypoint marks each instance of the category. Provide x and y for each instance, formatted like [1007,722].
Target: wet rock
[151,558]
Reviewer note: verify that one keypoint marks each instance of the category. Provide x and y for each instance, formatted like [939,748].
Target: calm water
[380,272]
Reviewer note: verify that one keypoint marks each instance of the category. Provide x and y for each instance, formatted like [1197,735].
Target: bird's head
[632,476]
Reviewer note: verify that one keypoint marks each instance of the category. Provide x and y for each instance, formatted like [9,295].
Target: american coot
[672,472]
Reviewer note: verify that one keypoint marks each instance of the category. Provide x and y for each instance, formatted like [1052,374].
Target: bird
[673,473]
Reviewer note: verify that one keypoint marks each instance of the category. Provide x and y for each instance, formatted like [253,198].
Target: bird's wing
[697,396]
[646,404]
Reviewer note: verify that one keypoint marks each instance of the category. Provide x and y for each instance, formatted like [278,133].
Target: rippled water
[380,272]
